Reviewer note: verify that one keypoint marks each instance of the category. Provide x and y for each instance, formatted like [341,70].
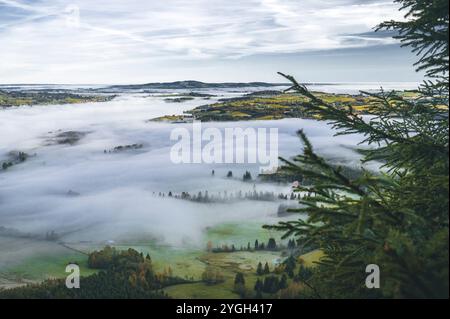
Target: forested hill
[194,85]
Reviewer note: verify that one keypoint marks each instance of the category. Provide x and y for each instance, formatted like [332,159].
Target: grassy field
[49,266]
[265,107]
[310,258]
[9,99]
[273,106]
[184,262]
[228,264]
[240,234]
[203,291]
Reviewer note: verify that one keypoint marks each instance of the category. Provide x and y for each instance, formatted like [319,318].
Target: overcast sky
[131,41]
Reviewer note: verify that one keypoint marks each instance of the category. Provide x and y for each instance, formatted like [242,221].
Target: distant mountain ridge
[194,85]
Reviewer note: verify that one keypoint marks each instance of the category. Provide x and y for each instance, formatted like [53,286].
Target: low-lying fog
[95,196]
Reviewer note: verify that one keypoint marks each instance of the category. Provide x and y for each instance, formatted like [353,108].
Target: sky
[118,42]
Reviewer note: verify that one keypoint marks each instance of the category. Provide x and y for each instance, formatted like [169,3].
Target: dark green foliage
[291,244]
[266,269]
[126,274]
[239,279]
[239,285]
[14,159]
[259,285]
[398,217]
[259,269]
[290,266]
[73,137]
[22,157]
[18,98]
[271,284]
[102,259]
[247,177]
[304,273]
[272,244]
[283,282]
[6,165]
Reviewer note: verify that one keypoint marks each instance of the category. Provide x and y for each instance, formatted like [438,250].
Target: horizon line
[212,82]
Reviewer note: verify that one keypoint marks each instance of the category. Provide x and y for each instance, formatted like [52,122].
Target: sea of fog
[88,195]
[336,87]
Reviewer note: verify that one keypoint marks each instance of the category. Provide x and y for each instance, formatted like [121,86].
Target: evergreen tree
[247,176]
[122,275]
[304,273]
[239,279]
[290,266]
[266,269]
[272,244]
[259,269]
[291,244]
[271,284]
[259,285]
[283,282]
[396,218]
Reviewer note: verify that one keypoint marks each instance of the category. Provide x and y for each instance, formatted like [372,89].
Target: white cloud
[41,41]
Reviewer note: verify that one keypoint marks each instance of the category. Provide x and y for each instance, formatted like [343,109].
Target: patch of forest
[272,105]
[122,274]
[20,98]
